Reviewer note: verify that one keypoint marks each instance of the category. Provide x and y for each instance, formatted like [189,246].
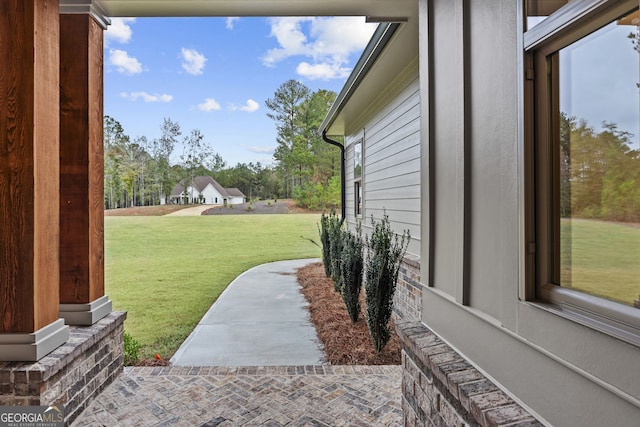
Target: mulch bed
[345,343]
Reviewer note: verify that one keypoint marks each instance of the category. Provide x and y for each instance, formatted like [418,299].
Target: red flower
[158,356]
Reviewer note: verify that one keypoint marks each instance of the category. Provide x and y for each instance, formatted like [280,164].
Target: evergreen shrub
[323,230]
[351,267]
[385,251]
[335,250]
[330,230]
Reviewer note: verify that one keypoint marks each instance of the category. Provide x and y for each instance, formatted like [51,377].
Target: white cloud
[324,71]
[123,62]
[340,36]
[119,31]
[133,96]
[292,41]
[209,104]
[250,107]
[193,61]
[263,150]
[329,43]
[230,22]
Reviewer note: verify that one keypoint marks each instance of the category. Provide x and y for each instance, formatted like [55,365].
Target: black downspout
[343,178]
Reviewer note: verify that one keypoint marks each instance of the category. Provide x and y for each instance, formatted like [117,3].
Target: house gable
[206,190]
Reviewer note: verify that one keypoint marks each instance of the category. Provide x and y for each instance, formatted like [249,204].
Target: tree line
[308,167]
[142,172]
[599,172]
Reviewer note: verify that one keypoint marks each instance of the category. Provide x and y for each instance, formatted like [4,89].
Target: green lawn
[167,271]
[604,259]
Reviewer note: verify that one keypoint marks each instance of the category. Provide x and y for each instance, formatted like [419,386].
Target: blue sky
[594,90]
[214,74]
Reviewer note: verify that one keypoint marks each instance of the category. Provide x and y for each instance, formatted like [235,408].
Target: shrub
[335,250]
[331,239]
[351,267]
[323,230]
[131,350]
[385,251]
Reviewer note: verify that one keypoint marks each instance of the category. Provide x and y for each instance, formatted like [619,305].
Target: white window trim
[569,24]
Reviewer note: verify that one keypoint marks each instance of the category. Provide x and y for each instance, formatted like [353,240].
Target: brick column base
[73,374]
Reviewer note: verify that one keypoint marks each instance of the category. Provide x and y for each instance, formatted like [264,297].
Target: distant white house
[206,190]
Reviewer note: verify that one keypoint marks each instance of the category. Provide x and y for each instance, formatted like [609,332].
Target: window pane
[538,10]
[599,162]
[357,160]
[358,198]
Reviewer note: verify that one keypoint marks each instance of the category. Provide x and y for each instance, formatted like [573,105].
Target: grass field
[167,271]
[604,259]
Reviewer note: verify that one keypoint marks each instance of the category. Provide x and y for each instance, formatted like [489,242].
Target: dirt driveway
[193,211]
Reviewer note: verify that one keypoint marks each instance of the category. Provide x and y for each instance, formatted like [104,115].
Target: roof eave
[378,42]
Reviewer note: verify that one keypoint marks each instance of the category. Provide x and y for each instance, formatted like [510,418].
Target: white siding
[236,200]
[211,195]
[391,166]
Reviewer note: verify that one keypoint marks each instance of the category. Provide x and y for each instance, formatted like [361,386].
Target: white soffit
[140,8]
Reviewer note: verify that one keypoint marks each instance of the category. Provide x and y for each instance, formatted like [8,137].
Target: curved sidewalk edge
[192,211]
[260,319]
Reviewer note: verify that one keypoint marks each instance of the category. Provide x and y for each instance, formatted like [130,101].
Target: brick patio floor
[250,396]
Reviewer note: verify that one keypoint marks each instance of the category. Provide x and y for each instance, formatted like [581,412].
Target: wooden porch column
[82,298]
[29,174]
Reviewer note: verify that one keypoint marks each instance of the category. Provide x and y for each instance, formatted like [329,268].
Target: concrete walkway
[259,320]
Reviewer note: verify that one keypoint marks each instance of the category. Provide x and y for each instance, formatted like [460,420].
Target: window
[538,10]
[357,159]
[357,176]
[583,94]
[358,198]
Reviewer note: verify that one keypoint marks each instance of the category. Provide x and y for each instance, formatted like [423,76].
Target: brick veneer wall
[407,300]
[440,388]
[73,374]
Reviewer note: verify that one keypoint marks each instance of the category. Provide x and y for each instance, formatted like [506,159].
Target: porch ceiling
[140,8]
